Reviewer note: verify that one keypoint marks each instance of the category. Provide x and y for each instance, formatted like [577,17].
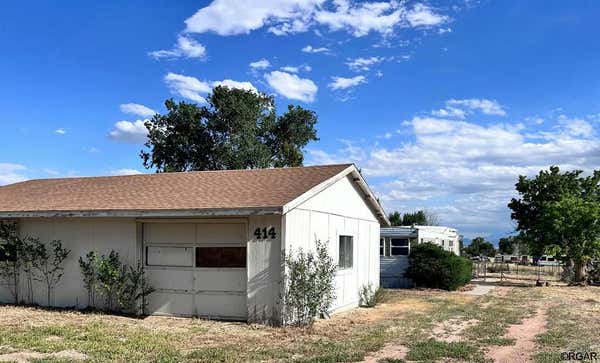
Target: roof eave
[217,212]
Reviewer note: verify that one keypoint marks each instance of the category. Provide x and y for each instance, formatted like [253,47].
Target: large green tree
[513,245]
[237,129]
[479,247]
[395,218]
[559,213]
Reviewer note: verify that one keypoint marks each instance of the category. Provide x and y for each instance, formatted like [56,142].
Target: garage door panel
[183,288]
[222,305]
[168,303]
[218,233]
[170,233]
[170,279]
[220,280]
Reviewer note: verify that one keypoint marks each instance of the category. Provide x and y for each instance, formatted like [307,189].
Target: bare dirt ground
[451,330]
[524,335]
[26,357]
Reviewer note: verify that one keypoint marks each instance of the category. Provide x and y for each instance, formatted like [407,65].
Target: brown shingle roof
[230,189]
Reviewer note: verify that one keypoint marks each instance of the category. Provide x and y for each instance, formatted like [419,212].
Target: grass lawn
[425,325]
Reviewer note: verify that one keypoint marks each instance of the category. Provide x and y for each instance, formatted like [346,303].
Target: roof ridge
[177,172]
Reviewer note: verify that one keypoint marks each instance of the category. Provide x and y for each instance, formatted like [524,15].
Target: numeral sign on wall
[265,233]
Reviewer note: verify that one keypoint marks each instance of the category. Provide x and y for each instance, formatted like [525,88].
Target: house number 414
[265,233]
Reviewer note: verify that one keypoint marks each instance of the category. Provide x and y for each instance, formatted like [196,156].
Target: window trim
[344,266]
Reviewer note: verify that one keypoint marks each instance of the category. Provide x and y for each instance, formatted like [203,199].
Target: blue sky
[442,104]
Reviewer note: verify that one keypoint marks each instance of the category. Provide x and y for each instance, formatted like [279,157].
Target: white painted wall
[446,237]
[338,210]
[80,235]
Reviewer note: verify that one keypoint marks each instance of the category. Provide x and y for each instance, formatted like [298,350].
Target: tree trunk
[580,271]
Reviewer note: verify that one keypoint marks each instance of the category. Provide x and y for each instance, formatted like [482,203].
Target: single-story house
[394,248]
[211,241]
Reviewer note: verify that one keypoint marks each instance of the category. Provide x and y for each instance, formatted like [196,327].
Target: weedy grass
[405,317]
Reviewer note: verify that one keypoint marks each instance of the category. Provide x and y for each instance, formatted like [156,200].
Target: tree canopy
[237,129]
[559,214]
[479,247]
[513,245]
[418,218]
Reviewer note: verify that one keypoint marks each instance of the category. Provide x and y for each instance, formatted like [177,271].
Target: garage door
[198,269]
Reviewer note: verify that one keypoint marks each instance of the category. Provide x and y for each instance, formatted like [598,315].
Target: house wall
[441,236]
[80,235]
[338,210]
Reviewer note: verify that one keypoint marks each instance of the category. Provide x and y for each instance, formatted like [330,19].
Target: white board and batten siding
[80,235]
[338,210]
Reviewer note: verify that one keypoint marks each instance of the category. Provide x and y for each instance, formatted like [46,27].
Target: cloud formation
[338,83]
[291,86]
[186,47]
[192,88]
[465,171]
[282,17]
[260,64]
[137,109]
[12,173]
[130,132]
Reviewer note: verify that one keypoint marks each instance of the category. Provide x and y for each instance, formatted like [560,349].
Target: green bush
[309,287]
[431,266]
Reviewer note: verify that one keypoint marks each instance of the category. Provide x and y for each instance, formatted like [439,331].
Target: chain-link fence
[512,271]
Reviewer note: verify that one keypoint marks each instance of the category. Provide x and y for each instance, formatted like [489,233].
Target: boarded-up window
[346,251]
[220,256]
[169,256]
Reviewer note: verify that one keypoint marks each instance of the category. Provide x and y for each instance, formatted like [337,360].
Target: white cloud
[291,86]
[235,84]
[129,132]
[137,109]
[363,64]
[444,30]
[466,171]
[186,47]
[338,83]
[232,17]
[260,64]
[60,131]
[296,69]
[281,17]
[125,172]
[194,89]
[488,107]
[12,173]
[422,15]
[449,112]
[363,18]
[310,49]
[187,87]
[290,69]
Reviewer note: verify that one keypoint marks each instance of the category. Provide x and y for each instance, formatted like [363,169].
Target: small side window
[346,252]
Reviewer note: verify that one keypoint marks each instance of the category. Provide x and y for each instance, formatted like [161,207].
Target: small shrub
[133,299]
[112,275]
[308,286]
[124,288]
[47,264]
[369,296]
[431,266]
[89,270]
[594,273]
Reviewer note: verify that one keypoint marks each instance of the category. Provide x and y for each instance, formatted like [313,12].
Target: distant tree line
[417,218]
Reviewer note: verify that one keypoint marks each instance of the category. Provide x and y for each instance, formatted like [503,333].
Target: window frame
[342,264]
[405,247]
